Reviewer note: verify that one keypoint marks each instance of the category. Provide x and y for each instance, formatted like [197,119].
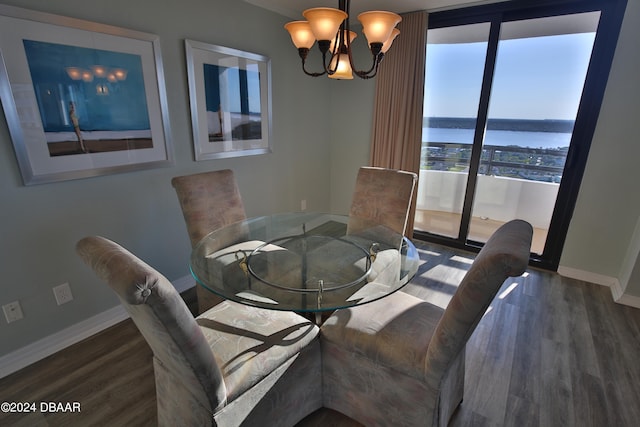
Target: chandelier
[330,27]
[104,75]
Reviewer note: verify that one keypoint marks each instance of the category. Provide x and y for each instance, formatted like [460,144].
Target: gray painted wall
[316,156]
[40,224]
[608,206]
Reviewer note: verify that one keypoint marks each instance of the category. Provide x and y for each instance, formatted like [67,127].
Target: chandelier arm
[328,69]
[312,74]
[374,69]
[324,45]
[338,44]
[377,59]
[365,76]
[342,40]
[375,53]
[345,38]
[303,52]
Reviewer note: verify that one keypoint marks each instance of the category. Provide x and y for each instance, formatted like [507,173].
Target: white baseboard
[621,298]
[586,276]
[51,344]
[44,347]
[613,283]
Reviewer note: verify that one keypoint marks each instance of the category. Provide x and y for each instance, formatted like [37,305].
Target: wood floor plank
[556,403]
[589,401]
[522,412]
[617,347]
[525,383]
[551,352]
[109,374]
[583,354]
[497,361]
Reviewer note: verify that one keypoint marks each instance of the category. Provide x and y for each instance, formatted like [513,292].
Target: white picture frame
[81,99]
[230,100]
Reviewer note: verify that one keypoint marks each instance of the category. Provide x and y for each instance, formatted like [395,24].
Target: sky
[535,78]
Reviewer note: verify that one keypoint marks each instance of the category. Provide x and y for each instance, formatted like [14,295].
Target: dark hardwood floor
[550,351]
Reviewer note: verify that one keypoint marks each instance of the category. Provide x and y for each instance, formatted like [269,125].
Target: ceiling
[559,25]
[293,8]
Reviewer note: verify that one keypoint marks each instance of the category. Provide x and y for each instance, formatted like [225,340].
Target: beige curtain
[397,113]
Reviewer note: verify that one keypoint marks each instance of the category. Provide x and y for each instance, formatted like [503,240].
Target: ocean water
[502,138]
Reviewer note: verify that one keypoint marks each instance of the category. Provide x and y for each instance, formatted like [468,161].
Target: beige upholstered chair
[399,361]
[209,201]
[382,196]
[233,365]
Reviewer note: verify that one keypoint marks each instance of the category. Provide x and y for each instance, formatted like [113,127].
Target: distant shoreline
[516,125]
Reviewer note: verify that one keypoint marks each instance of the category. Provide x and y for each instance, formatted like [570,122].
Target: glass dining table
[304,262]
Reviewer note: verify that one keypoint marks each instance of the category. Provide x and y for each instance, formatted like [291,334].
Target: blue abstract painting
[90,100]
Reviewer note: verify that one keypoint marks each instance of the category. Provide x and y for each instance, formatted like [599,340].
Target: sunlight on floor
[461,259]
[447,224]
[507,291]
[445,274]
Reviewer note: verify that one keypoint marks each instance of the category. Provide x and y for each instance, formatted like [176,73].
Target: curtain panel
[398,104]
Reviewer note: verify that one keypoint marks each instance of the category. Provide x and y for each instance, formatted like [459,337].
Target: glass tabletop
[309,262]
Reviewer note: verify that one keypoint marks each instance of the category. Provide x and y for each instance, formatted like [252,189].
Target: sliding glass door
[455,65]
[502,99]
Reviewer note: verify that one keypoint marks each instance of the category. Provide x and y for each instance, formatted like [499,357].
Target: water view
[502,132]
[525,149]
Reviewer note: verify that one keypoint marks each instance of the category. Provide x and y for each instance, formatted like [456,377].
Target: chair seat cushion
[394,331]
[249,343]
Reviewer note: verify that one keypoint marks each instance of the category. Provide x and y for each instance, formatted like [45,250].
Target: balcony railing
[536,164]
[513,182]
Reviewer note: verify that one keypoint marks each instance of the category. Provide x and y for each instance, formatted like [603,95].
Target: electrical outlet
[12,311]
[62,293]
[303,205]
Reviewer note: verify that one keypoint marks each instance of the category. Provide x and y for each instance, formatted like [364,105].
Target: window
[512,96]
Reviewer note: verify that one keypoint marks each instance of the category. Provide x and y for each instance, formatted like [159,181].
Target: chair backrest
[506,254]
[383,196]
[161,316]
[209,201]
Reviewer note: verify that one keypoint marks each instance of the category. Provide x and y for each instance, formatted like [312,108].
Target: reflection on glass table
[308,262]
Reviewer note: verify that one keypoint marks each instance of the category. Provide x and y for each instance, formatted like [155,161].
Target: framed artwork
[81,99]
[230,97]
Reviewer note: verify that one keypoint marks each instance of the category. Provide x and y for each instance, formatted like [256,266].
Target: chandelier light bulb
[344,71]
[389,42]
[377,25]
[324,21]
[301,34]
[352,36]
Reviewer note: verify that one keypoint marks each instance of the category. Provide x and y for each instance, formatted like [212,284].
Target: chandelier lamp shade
[330,28]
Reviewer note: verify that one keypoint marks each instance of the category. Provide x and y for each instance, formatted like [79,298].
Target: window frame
[612,14]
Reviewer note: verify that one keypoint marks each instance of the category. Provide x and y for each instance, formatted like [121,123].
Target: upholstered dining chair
[232,365]
[399,361]
[209,201]
[382,196]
